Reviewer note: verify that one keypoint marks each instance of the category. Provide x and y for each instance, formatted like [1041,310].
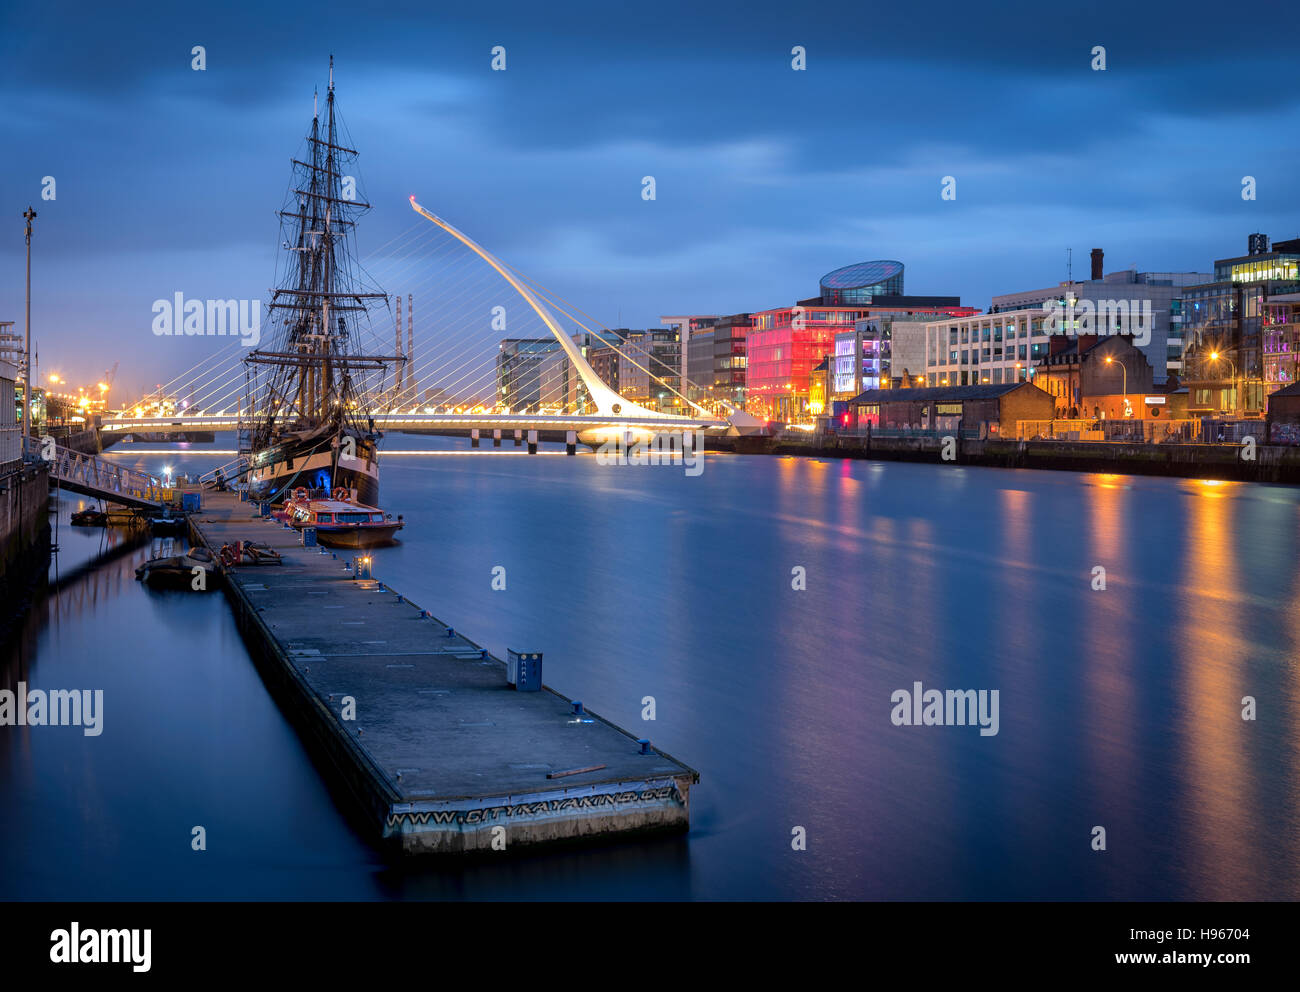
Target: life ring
[300,492]
[227,556]
[342,494]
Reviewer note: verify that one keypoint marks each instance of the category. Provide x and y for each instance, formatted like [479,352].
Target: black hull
[314,469]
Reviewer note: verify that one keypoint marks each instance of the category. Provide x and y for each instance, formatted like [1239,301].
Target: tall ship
[311,389]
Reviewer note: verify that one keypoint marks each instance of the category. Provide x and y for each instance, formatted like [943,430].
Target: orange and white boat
[340,521]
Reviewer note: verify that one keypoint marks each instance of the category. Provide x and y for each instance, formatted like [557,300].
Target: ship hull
[278,471]
[369,536]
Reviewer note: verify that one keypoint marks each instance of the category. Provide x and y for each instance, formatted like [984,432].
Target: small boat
[167,525]
[340,521]
[90,517]
[179,571]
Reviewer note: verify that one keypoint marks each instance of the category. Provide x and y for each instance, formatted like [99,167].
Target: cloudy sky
[168,178]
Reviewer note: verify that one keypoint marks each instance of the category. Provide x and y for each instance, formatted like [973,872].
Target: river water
[1119,708]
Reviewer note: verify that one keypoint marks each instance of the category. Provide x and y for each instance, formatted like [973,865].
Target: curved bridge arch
[608,402]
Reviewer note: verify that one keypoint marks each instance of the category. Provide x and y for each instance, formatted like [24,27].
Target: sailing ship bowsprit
[311,390]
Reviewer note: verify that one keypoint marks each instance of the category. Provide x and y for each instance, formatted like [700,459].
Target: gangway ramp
[97,477]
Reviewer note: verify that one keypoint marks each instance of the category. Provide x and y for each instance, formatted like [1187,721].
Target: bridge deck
[442,750]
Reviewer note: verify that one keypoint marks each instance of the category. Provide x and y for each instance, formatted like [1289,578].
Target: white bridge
[589,429]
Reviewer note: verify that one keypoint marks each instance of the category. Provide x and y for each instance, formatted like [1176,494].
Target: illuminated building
[985,349]
[1090,376]
[520,367]
[1162,293]
[785,344]
[650,369]
[983,410]
[699,366]
[862,283]
[1281,341]
[818,387]
[1228,368]
[730,361]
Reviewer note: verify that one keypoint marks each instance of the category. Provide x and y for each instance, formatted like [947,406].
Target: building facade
[699,366]
[526,370]
[730,362]
[992,411]
[1281,342]
[11,430]
[650,369]
[1089,376]
[987,349]
[1149,305]
[785,344]
[1228,371]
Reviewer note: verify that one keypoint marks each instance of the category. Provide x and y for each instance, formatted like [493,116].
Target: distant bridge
[589,429]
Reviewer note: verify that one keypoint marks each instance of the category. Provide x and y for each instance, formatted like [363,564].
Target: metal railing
[230,473]
[103,478]
[1144,431]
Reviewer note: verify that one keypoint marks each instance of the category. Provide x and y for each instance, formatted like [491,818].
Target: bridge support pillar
[570,442]
[532,442]
[519,437]
[473,437]
[496,437]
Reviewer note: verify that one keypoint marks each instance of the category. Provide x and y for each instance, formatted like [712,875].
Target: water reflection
[1119,708]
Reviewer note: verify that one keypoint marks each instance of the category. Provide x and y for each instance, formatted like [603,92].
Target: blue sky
[168,179]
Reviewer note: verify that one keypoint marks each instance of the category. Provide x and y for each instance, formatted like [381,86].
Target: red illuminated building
[787,343]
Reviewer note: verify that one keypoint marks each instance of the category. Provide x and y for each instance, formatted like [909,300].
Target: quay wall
[24,537]
[1270,463]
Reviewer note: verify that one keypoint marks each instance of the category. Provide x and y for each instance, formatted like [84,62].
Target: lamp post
[1111,361]
[1214,357]
[30,215]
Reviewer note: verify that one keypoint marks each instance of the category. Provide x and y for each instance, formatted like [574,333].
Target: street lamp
[1214,357]
[1111,361]
[29,215]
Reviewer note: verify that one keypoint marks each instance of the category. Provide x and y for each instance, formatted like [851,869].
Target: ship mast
[315,374]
